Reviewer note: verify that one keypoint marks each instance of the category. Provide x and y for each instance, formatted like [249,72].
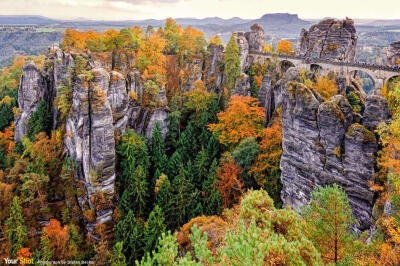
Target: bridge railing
[309,60]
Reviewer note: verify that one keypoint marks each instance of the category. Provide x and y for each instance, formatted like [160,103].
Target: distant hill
[26,20]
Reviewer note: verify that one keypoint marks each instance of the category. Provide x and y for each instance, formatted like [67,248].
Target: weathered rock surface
[255,37]
[118,99]
[329,39]
[90,141]
[376,111]
[194,71]
[393,53]
[321,146]
[213,78]
[32,90]
[243,50]
[242,85]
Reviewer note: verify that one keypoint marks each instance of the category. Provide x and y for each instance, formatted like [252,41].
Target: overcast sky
[159,9]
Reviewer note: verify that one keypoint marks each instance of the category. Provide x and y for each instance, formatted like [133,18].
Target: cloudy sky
[158,9]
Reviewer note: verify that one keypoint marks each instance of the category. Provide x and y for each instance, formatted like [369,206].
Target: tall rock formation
[323,144]
[214,72]
[90,142]
[249,41]
[329,39]
[393,53]
[32,90]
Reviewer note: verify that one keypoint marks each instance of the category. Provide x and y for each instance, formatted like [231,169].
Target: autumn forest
[156,146]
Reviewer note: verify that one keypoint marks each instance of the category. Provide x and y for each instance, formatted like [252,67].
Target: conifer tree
[328,218]
[244,155]
[173,133]
[117,258]
[212,199]
[130,230]
[136,194]
[158,155]
[155,227]
[3,160]
[163,194]
[201,164]
[133,151]
[181,201]
[174,164]
[232,62]
[187,144]
[41,120]
[16,230]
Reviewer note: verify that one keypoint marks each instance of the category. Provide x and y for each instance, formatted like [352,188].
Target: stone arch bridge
[380,74]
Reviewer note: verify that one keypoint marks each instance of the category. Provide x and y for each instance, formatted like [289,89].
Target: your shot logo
[21,260]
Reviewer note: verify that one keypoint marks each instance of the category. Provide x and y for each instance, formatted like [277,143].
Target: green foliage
[154,228]
[329,218]
[254,89]
[135,196]
[181,202]
[232,62]
[117,258]
[244,155]
[16,231]
[129,230]
[64,101]
[158,156]
[174,130]
[167,251]
[3,159]
[133,152]
[80,64]
[6,108]
[212,200]
[354,101]
[40,121]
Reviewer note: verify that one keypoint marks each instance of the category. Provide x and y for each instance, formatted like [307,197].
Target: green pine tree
[164,194]
[117,258]
[201,164]
[181,201]
[232,62]
[328,219]
[133,152]
[41,121]
[155,227]
[129,230]
[158,156]
[173,131]
[16,231]
[3,159]
[212,200]
[135,196]
[244,155]
[174,164]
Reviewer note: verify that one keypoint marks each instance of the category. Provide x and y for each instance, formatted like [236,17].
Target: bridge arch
[316,68]
[369,82]
[284,65]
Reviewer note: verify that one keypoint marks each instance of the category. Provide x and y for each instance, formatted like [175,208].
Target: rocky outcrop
[376,111]
[214,74]
[193,72]
[118,99]
[90,142]
[242,85]
[393,54]
[32,90]
[243,45]
[329,39]
[256,37]
[323,145]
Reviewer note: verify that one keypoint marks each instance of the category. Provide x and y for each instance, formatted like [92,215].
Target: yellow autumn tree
[285,47]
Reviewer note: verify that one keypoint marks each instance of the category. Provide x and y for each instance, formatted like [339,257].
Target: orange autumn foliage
[24,253]
[7,139]
[214,226]
[266,165]
[285,47]
[229,184]
[325,86]
[58,237]
[258,80]
[243,118]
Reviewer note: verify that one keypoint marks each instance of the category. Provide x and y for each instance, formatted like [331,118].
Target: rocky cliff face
[323,144]
[105,103]
[329,39]
[214,74]
[33,89]
[393,53]
[249,41]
